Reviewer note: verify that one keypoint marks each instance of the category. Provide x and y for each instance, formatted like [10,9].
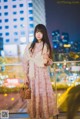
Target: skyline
[63,16]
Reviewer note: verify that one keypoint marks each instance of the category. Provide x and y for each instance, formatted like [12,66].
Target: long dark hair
[45,39]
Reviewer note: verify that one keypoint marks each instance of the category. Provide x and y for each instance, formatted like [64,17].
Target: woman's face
[39,36]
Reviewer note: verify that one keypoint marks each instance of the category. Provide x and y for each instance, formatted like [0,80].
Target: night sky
[64,16]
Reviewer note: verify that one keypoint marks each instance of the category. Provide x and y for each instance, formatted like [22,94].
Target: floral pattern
[42,104]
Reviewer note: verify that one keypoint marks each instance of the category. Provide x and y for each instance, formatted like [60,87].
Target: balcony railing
[65,76]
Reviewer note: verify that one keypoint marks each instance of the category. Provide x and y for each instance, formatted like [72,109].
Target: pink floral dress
[42,104]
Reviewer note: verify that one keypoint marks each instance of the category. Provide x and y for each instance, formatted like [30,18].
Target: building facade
[17,21]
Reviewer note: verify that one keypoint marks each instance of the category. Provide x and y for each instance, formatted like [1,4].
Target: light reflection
[12,99]
[5,94]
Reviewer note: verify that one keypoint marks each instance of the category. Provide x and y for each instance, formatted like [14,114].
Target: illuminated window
[5,7]
[23,39]
[22,25]
[31,25]
[31,37]
[6,13]
[6,27]
[30,11]
[15,19]
[23,33]
[7,33]
[31,32]
[21,5]
[14,13]
[21,12]
[0,34]
[7,40]
[0,20]
[30,4]
[15,33]
[14,6]
[6,20]
[21,18]
[15,26]
[31,18]
[0,27]
[5,0]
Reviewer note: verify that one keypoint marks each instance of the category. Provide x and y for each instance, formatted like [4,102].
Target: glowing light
[52,83]
[67,45]
[52,33]
[64,62]
[63,97]
[71,42]
[31,37]
[23,39]
[76,83]
[67,68]
[5,94]
[58,64]
[55,46]
[59,94]
[11,82]
[12,99]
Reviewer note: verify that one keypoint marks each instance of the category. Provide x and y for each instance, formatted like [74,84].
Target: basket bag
[25,92]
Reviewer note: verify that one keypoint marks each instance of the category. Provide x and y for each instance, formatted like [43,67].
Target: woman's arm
[46,58]
[25,63]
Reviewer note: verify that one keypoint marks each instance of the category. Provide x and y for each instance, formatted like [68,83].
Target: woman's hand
[45,56]
[47,60]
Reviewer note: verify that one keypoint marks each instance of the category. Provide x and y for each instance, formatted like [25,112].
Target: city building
[61,45]
[1,46]
[55,39]
[65,42]
[60,42]
[17,21]
[65,38]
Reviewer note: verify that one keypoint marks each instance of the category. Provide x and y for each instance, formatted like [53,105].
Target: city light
[67,45]
[11,83]
[12,99]
[5,94]
[23,39]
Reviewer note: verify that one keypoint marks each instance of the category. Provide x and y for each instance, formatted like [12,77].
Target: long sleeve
[42,59]
[47,60]
[25,60]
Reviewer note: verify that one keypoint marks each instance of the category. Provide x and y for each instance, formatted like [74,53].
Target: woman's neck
[39,41]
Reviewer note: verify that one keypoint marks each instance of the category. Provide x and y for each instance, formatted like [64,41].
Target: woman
[37,58]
